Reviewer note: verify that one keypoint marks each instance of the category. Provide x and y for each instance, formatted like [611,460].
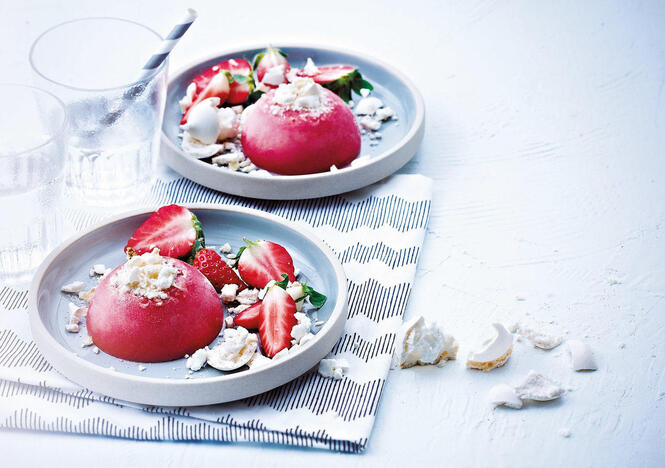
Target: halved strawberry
[218,272]
[250,317]
[262,261]
[173,229]
[242,81]
[264,61]
[340,79]
[216,85]
[276,319]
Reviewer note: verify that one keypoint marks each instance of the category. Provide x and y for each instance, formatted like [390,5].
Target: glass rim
[36,69]
[60,130]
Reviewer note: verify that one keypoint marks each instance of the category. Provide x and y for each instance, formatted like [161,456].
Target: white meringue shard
[235,351]
[333,368]
[538,338]
[505,395]
[197,360]
[420,343]
[73,287]
[495,352]
[310,69]
[202,122]
[188,98]
[368,106]
[228,123]
[581,356]
[539,388]
[195,148]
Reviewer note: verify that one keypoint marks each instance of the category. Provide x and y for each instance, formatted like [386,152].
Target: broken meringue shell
[495,352]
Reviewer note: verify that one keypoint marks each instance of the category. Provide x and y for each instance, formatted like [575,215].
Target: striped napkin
[377,232]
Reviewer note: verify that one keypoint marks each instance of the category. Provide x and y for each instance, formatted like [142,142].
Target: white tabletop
[545,136]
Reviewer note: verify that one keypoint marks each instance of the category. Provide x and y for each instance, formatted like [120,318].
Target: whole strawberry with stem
[218,272]
[261,261]
[271,58]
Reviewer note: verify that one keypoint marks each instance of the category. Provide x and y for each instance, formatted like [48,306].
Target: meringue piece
[301,329]
[274,75]
[202,122]
[228,321]
[368,106]
[495,352]
[248,296]
[188,98]
[228,123]
[333,368]
[228,158]
[301,93]
[195,148]
[505,395]
[228,293]
[87,341]
[538,338]
[235,351]
[76,313]
[297,293]
[197,360]
[360,161]
[310,68]
[420,343]
[385,113]
[581,356]
[87,295]
[73,287]
[281,355]
[537,387]
[99,269]
[258,360]
[369,123]
[226,248]
[364,92]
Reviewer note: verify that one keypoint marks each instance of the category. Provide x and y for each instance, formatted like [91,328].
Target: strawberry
[276,319]
[262,261]
[218,272]
[249,318]
[241,79]
[217,85]
[173,229]
[271,58]
[340,79]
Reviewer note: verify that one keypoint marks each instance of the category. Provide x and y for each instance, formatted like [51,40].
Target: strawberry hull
[291,143]
[137,329]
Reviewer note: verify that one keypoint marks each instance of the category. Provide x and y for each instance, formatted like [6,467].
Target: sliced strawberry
[276,320]
[173,229]
[249,318]
[264,61]
[218,272]
[262,261]
[217,86]
[340,79]
[242,81]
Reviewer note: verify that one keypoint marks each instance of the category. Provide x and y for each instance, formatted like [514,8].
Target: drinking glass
[31,169]
[94,65]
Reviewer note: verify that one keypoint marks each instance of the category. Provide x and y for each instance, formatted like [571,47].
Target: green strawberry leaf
[257,60]
[240,251]
[254,96]
[315,298]
[282,284]
[240,78]
[228,75]
[199,242]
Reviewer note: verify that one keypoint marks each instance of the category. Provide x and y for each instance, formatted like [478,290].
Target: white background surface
[545,135]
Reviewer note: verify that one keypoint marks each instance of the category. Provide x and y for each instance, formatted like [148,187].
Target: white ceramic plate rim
[63,360]
[412,133]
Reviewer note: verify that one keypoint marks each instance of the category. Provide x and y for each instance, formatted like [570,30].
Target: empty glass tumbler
[112,140]
[31,173]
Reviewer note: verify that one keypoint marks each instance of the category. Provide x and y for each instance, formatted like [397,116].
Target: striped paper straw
[169,43]
[165,48]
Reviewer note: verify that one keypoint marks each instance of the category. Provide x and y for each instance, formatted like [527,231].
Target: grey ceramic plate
[400,140]
[166,383]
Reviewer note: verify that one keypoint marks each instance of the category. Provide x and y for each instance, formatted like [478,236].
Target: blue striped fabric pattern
[377,232]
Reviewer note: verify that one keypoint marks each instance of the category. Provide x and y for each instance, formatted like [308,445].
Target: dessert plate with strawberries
[290,122]
[188,305]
